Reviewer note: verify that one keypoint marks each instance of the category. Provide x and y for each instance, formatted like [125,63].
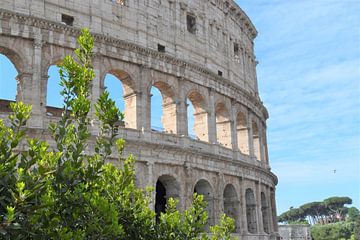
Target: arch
[242,133]
[231,205]
[168,119]
[223,125]
[114,86]
[8,81]
[251,211]
[166,187]
[203,187]
[123,92]
[200,127]
[265,212]
[52,55]
[126,80]
[256,140]
[14,68]
[15,58]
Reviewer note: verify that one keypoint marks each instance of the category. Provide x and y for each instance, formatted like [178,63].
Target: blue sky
[309,79]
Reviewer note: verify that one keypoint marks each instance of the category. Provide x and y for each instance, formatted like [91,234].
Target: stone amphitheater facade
[201,50]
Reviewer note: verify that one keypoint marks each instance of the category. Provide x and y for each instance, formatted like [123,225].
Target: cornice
[179,150]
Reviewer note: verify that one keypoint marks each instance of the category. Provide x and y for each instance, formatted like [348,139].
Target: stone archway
[251,211]
[166,187]
[13,60]
[231,205]
[128,96]
[203,187]
[8,81]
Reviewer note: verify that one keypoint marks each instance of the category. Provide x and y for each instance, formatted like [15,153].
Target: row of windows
[162,108]
[167,186]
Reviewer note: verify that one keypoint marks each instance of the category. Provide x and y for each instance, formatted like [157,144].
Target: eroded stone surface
[201,50]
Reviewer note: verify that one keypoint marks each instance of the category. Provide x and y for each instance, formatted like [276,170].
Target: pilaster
[212,118]
[243,222]
[260,223]
[32,85]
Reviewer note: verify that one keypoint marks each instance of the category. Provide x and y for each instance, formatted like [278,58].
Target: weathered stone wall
[229,157]
[295,232]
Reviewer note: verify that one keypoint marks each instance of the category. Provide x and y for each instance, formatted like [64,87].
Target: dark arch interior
[160,200]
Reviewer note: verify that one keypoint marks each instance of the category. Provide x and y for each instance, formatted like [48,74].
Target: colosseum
[200,51]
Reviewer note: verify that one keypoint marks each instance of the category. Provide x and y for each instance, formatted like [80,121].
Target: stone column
[260,223]
[271,224]
[219,197]
[243,218]
[266,153]
[212,118]
[181,111]
[234,137]
[261,145]
[189,185]
[31,85]
[250,135]
[97,87]
[143,102]
[273,210]
[150,181]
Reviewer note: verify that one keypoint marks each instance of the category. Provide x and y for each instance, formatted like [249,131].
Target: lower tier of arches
[242,190]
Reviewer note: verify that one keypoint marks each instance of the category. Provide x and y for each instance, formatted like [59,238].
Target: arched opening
[265,212]
[8,83]
[156,111]
[197,117]
[114,86]
[256,140]
[115,89]
[190,119]
[166,187]
[160,200]
[231,205]
[163,118]
[242,133]
[54,100]
[250,211]
[223,125]
[204,188]
[121,89]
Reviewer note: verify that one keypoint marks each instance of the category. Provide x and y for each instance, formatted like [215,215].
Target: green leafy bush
[333,231]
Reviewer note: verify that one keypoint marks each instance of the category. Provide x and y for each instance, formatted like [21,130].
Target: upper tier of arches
[216,118]
[216,35]
[248,203]
[222,114]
